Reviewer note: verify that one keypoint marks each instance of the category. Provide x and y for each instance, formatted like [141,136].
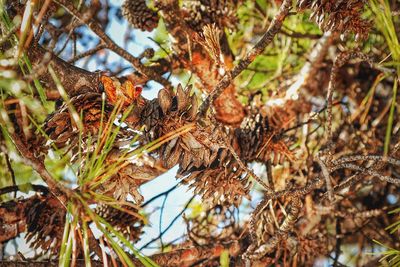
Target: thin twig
[338,242]
[159,195]
[161,221]
[112,45]
[15,188]
[12,173]
[368,171]
[169,226]
[340,60]
[359,175]
[282,232]
[247,169]
[87,53]
[375,158]
[55,187]
[325,173]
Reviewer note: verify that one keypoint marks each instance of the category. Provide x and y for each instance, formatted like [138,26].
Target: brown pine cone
[203,160]
[139,15]
[338,16]
[45,219]
[222,13]
[61,126]
[252,135]
[125,222]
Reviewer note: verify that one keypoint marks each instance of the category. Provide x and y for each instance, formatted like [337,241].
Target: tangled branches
[242,125]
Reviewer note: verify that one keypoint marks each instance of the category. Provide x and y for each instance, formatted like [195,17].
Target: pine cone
[252,135]
[61,126]
[126,180]
[203,159]
[338,16]
[222,13]
[45,219]
[139,15]
[129,225]
[257,141]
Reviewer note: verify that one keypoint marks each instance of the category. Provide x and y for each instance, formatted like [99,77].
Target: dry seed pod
[173,158]
[170,146]
[181,97]
[191,115]
[165,100]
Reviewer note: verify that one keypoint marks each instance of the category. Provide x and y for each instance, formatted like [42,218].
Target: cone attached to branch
[204,161]
[222,13]
[123,221]
[45,219]
[338,16]
[139,15]
[84,113]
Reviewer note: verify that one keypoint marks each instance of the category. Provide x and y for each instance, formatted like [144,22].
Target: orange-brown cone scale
[115,91]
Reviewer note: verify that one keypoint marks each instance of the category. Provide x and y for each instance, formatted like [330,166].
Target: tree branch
[267,38]
[179,257]
[74,80]
[112,45]
[55,187]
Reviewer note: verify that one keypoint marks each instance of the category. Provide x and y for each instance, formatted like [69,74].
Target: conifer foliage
[281,118]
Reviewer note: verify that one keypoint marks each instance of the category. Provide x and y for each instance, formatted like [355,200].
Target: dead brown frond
[210,40]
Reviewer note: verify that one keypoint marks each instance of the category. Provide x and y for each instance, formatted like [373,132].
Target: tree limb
[112,45]
[74,80]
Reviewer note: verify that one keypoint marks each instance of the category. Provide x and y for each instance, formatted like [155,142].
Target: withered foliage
[314,151]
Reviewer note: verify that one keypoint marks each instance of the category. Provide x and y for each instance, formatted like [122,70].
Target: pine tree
[281,120]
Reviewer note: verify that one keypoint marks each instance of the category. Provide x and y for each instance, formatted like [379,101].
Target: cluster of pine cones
[197,14]
[343,16]
[45,221]
[203,154]
[204,158]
